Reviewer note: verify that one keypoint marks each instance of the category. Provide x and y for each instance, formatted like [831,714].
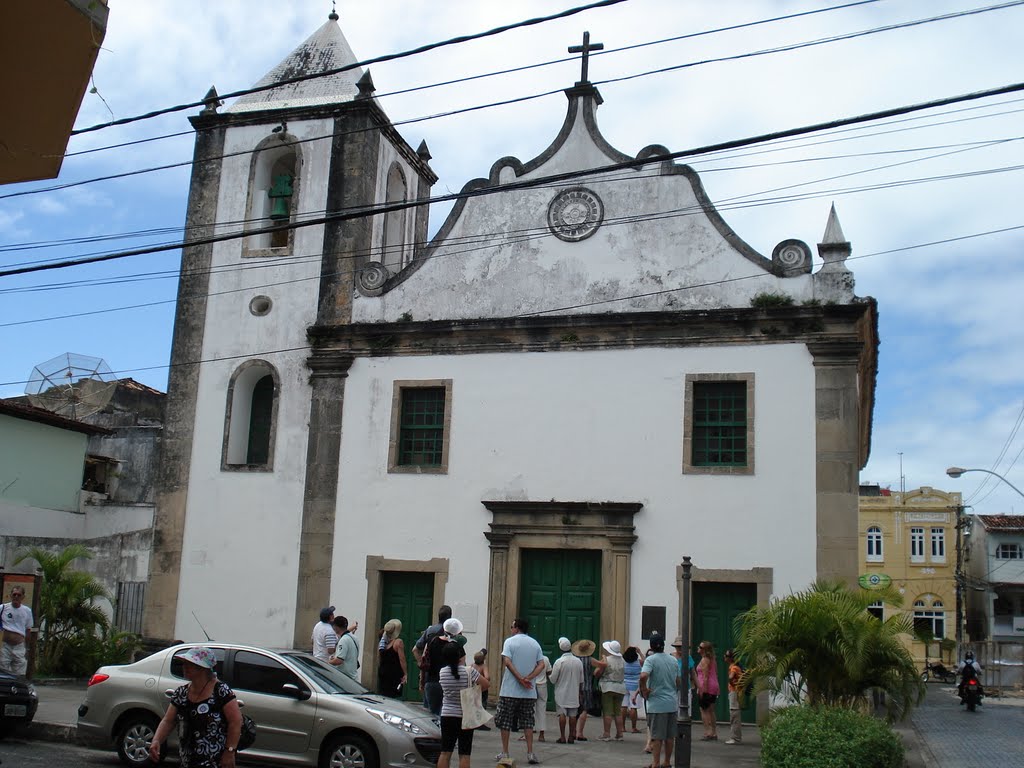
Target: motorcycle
[937,670]
[972,693]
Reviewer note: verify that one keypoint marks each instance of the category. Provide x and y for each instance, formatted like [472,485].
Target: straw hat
[393,628]
[584,648]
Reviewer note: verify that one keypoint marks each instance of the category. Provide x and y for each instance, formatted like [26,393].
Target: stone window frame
[396,427]
[259,155]
[270,370]
[874,533]
[689,468]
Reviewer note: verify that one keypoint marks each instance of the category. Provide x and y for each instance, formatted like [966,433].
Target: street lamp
[955,472]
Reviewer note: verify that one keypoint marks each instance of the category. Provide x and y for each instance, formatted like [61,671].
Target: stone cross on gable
[585,49]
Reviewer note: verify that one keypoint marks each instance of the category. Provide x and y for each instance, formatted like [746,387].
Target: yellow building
[909,540]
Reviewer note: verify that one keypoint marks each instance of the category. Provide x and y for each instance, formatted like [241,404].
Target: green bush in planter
[829,737]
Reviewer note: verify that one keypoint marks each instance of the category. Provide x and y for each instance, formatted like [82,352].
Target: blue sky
[951,376]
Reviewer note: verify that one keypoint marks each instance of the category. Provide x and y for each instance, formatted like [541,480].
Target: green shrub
[768,300]
[829,737]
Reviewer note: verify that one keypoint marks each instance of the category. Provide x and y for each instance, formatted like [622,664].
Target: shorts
[628,702]
[661,725]
[611,704]
[567,711]
[13,660]
[514,714]
[453,733]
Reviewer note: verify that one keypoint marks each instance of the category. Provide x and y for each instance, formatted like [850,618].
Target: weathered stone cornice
[823,326]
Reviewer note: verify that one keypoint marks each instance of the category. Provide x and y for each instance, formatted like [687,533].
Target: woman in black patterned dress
[210,721]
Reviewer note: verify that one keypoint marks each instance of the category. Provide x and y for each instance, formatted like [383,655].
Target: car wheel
[134,738]
[348,751]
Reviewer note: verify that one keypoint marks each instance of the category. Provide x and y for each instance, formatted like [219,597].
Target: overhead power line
[527,184]
[785,145]
[365,63]
[525,67]
[613,300]
[522,99]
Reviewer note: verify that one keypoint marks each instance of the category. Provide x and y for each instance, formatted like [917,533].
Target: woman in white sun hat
[611,674]
[208,713]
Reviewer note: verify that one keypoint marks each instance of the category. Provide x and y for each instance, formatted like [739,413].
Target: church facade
[583,376]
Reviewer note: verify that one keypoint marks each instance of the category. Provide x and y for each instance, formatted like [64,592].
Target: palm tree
[822,647]
[67,602]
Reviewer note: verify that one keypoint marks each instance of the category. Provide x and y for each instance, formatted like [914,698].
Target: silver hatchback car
[306,712]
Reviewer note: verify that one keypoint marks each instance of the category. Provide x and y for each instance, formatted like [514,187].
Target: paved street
[956,738]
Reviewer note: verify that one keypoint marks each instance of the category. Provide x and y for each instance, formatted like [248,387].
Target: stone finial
[423,151]
[365,86]
[212,101]
[834,281]
[834,248]
[833,229]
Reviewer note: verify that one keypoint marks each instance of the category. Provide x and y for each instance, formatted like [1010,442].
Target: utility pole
[958,576]
[684,743]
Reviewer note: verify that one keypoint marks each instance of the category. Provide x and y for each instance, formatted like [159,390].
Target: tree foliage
[822,647]
[67,605]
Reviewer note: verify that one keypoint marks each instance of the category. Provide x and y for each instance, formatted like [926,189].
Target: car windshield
[331,679]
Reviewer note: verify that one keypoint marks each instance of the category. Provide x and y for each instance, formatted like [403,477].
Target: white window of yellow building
[938,545]
[874,544]
[917,545]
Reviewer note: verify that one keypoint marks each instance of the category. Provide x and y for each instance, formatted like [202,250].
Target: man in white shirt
[323,638]
[16,619]
[567,677]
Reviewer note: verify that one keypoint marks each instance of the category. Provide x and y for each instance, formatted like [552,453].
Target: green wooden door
[408,597]
[715,605]
[560,595]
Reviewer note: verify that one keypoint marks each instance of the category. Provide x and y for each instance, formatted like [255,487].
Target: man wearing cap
[323,638]
[523,660]
[430,663]
[567,677]
[690,678]
[659,685]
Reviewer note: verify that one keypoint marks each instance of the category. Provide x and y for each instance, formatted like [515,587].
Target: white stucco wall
[225,561]
[579,426]
[499,259]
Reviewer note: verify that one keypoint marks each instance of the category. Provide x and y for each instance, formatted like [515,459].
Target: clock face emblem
[575,214]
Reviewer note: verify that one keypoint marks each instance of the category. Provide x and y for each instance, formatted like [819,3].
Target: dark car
[18,702]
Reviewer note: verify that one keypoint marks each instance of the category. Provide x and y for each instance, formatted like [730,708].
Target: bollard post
[684,743]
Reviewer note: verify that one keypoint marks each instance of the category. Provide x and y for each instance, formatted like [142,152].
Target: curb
[59,732]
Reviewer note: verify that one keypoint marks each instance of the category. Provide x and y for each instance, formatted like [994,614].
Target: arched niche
[274,177]
[250,419]
[393,239]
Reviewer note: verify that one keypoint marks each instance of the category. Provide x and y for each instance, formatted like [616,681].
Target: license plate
[973,687]
[15,710]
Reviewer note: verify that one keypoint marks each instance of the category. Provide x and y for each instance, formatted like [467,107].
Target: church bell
[280,195]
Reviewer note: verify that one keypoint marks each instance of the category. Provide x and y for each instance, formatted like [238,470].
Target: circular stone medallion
[575,214]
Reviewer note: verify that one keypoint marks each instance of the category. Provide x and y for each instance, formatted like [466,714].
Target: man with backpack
[427,652]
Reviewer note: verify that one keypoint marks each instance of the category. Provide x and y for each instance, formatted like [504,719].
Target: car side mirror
[291,689]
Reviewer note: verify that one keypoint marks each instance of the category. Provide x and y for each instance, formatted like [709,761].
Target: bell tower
[272,169]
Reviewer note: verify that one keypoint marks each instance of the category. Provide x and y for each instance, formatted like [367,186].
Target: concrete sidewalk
[57,718]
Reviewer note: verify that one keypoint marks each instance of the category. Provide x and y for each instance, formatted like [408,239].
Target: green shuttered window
[421,439]
[720,424]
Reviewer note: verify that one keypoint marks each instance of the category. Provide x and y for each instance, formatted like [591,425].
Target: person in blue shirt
[659,685]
